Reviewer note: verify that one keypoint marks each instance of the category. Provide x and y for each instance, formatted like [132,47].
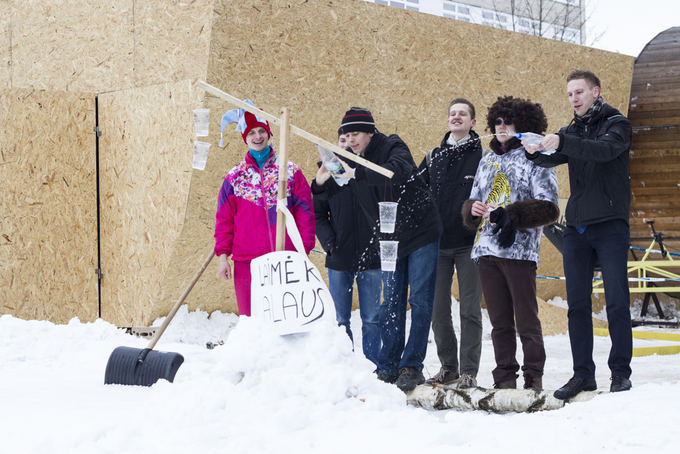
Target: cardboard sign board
[288,291]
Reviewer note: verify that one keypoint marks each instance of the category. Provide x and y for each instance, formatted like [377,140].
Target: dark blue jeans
[607,242]
[419,272]
[369,285]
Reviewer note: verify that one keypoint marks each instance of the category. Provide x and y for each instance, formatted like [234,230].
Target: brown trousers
[509,288]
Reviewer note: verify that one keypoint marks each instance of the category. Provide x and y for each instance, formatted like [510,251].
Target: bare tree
[562,20]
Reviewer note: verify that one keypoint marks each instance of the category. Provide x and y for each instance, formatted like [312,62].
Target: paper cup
[200,154]
[202,122]
[388,216]
[388,255]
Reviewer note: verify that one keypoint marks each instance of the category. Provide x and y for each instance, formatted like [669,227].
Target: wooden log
[442,397]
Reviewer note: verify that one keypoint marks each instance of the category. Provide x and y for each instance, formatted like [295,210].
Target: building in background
[562,20]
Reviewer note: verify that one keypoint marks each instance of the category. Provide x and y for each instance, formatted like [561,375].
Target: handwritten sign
[287,290]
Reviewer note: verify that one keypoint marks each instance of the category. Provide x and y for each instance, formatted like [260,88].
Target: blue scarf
[260,156]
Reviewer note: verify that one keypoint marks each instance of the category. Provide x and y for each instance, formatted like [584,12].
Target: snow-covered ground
[260,393]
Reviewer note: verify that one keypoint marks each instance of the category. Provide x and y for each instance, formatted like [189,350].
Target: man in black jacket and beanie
[418,228]
[346,227]
[595,146]
[450,171]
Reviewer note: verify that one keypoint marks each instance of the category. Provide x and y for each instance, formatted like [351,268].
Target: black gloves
[507,233]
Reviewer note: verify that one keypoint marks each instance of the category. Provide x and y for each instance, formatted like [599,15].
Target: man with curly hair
[510,201]
[595,146]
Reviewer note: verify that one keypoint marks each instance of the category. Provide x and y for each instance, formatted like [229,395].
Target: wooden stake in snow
[283,178]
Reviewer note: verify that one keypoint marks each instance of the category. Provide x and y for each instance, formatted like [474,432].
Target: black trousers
[607,242]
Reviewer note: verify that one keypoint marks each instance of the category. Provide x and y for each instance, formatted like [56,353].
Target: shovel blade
[141,367]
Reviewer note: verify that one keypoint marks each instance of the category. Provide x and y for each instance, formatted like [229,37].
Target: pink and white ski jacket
[245,224]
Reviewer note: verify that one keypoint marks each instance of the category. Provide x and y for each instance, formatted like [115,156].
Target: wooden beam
[294,129]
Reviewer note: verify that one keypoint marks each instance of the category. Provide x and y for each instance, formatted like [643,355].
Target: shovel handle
[179,302]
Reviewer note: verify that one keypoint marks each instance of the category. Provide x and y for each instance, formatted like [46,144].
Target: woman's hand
[224,270]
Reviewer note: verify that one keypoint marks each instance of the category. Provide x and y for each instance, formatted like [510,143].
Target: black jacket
[450,174]
[597,153]
[418,221]
[346,224]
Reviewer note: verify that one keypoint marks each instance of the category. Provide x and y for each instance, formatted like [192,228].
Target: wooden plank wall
[655,116]
[48,223]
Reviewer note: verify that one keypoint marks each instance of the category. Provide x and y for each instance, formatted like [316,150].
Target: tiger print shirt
[504,179]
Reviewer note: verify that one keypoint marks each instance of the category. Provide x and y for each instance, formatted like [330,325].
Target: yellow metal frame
[643,268]
[649,335]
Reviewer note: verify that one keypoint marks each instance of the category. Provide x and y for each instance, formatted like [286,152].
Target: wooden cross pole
[294,129]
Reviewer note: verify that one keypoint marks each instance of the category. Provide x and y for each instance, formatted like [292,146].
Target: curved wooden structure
[655,115]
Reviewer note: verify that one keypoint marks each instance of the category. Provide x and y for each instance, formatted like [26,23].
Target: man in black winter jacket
[418,228]
[450,171]
[595,146]
[346,227]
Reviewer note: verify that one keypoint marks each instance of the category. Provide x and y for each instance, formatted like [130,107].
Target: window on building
[488,15]
[464,10]
[381,2]
[397,4]
[449,7]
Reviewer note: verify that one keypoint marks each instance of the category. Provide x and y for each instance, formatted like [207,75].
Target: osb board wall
[104,45]
[404,66]
[5,45]
[48,226]
[145,172]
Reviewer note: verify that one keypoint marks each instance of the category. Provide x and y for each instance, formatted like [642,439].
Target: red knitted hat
[252,122]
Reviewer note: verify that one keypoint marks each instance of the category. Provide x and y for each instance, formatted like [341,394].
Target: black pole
[98,133]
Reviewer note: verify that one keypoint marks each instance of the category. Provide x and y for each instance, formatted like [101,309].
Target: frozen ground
[261,393]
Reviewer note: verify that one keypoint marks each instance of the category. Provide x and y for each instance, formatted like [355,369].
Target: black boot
[409,378]
[620,384]
[574,386]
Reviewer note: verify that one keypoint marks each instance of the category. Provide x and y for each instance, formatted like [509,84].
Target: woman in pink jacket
[245,225]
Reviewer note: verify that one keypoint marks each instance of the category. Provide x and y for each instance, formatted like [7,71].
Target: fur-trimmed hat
[357,119]
[245,121]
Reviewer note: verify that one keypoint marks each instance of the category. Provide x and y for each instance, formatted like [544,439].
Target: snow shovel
[144,367]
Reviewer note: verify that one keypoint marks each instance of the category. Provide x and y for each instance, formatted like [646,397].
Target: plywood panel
[404,66]
[48,225]
[82,46]
[172,39]
[145,161]
[5,45]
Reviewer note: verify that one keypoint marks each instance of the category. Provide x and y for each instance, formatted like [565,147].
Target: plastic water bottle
[532,139]
[333,165]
